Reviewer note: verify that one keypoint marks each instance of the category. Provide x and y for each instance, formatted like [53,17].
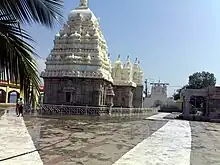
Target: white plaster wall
[149,102]
[169,102]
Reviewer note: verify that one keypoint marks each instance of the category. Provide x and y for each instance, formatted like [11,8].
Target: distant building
[9,92]
[158,96]
[79,71]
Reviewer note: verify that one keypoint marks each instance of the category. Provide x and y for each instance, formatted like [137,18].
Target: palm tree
[17,61]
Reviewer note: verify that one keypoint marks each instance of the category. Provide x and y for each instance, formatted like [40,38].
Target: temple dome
[83,12]
[118,61]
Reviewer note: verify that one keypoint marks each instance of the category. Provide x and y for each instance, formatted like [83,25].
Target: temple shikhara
[158,95]
[80,72]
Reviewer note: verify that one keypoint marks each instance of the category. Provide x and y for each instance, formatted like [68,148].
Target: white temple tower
[128,83]
[78,69]
[158,95]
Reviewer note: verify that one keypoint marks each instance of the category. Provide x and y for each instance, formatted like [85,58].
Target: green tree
[176,95]
[17,54]
[197,80]
[201,80]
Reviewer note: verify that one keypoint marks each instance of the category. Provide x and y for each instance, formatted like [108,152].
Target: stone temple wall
[75,91]
[123,96]
[91,92]
[138,97]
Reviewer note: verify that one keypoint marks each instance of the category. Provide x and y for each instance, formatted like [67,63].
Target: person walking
[20,107]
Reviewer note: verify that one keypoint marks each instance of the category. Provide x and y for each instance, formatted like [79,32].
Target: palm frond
[16,60]
[45,12]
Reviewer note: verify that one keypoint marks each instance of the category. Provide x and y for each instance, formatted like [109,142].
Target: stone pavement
[15,140]
[170,145]
[159,116]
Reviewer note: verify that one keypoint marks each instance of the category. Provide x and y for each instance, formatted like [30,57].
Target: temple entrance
[13,96]
[198,104]
[2,96]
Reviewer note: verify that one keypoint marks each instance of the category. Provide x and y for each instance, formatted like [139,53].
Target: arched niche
[13,96]
[2,96]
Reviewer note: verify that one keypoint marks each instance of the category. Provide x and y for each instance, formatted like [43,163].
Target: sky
[171,38]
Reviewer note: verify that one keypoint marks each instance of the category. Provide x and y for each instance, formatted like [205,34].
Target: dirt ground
[205,143]
[87,141]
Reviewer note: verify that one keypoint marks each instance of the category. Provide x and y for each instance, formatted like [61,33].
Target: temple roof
[80,49]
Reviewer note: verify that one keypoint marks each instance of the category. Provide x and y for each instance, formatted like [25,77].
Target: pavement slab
[159,116]
[170,145]
[15,141]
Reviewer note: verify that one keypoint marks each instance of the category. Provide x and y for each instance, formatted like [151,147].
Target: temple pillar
[104,96]
[206,108]
[6,97]
[100,98]
[109,96]
[22,94]
[35,100]
[186,106]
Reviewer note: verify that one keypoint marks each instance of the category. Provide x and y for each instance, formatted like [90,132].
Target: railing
[89,110]
[131,111]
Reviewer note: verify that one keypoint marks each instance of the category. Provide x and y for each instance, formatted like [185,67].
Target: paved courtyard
[98,141]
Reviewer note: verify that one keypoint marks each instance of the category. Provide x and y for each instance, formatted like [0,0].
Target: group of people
[19,107]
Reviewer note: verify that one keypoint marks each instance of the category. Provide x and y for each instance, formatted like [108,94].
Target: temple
[158,96]
[79,71]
